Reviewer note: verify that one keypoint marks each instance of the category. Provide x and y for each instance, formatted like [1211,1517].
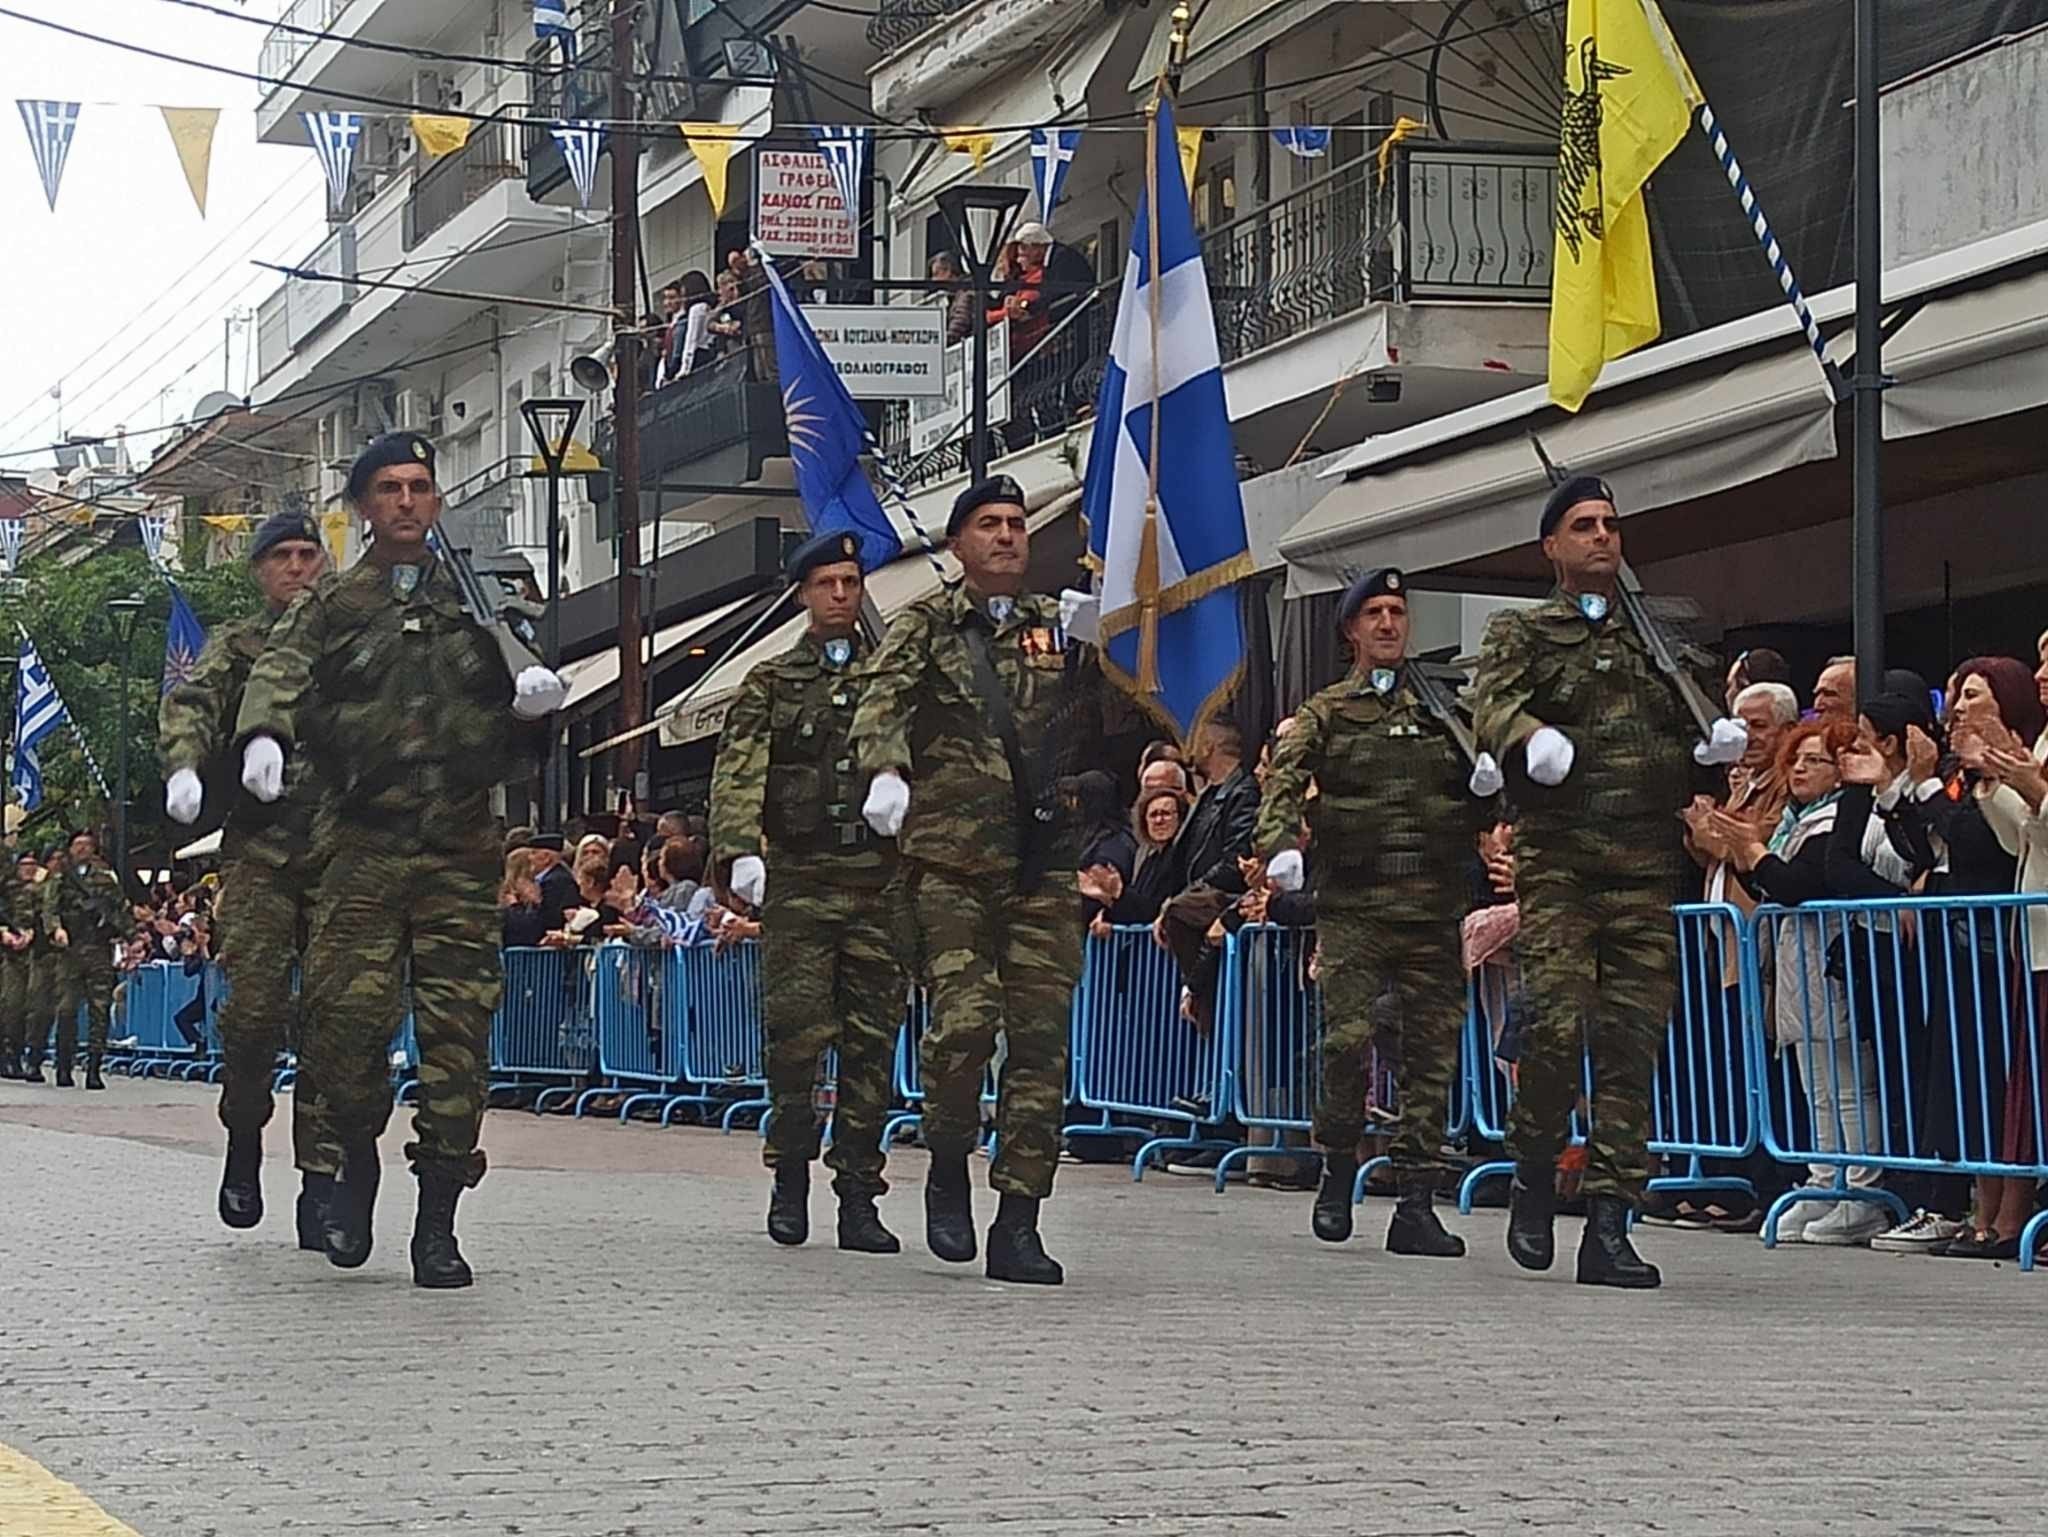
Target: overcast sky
[121,294]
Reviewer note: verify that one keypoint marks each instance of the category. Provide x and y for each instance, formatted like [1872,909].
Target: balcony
[715,426]
[282,48]
[896,22]
[442,188]
[304,72]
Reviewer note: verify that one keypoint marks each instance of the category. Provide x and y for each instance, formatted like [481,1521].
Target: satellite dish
[218,403]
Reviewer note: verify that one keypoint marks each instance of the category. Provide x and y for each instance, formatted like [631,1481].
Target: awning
[1724,424]
[1969,357]
[594,674]
[1223,31]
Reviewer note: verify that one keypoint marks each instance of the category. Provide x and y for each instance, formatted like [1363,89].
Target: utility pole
[1866,523]
[625,136]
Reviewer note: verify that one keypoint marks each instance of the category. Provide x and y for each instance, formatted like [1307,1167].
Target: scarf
[1798,823]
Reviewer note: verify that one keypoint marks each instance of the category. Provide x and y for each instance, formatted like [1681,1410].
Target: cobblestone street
[638,1359]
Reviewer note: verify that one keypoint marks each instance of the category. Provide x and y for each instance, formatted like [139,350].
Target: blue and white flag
[826,436]
[37,713]
[1052,151]
[1308,143]
[50,125]
[1168,565]
[155,528]
[184,639]
[846,152]
[11,532]
[551,20]
[334,136]
[582,143]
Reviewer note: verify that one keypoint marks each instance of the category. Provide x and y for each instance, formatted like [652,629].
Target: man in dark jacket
[1217,834]
[559,895]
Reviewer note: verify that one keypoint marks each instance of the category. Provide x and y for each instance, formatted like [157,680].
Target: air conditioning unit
[382,147]
[432,91]
[339,435]
[418,411]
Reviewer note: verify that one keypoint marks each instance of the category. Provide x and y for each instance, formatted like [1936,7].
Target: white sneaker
[1798,1217]
[1850,1225]
[1918,1234]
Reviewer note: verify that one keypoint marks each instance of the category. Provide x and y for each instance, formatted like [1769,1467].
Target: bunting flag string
[582,142]
[51,125]
[1189,141]
[334,136]
[1404,128]
[846,152]
[1307,143]
[155,528]
[438,135]
[191,130]
[551,20]
[1052,152]
[712,144]
[11,531]
[975,144]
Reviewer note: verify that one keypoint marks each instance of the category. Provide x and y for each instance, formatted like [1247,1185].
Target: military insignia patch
[1593,606]
[1000,609]
[1383,679]
[838,652]
[405,580]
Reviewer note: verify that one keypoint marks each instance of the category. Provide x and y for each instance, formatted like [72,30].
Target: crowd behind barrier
[1794,1034]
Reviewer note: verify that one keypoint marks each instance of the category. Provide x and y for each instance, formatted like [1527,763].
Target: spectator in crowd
[1760,665]
[1161,767]
[558,896]
[524,924]
[960,306]
[1021,267]
[1834,691]
[757,319]
[687,333]
[1109,849]
[1216,835]
[683,889]
[727,327]
[1156,874]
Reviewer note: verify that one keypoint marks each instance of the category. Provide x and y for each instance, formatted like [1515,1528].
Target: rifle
[490,617]
[1431,694]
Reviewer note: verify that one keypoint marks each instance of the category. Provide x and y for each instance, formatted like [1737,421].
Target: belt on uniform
[848,835]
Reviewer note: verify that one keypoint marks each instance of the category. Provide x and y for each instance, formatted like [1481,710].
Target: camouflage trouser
[262,916]
[1365,952]
[85,978]
[377,906]
[830,975]
[16,978]
[40,991]
[997,960]
[1599,962]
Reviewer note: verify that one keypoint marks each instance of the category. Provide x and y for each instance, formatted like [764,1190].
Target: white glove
[1284,871]
[1549,755]
[263,768]
[1486,776]
[1080,614]
[888,801]
[183,795]
[1728,741]
[537,692]
[750,880]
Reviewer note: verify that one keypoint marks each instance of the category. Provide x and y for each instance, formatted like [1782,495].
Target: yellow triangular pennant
[439,135]
[974,143]
[1190,152]
[1405,127]
[192,136]
[712,144]
[334,528]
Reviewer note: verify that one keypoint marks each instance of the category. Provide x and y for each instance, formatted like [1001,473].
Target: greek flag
[582,142]
[155,527]
[184,639]
[50,126]
[1308,143]
[334,136]
[551,20]
[1052,151]
[11,531]
[1167,564]
[37,713]
[846,152]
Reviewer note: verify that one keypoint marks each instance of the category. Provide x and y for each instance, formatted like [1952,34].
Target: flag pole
[1148,543]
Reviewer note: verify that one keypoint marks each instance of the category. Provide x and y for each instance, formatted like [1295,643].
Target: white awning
[1222,32]
[1969,357]
[594,674]
[1690,438]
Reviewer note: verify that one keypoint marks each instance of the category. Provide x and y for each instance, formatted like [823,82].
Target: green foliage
[64,610]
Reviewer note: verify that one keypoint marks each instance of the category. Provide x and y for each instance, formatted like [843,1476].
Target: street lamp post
[980,218]
[125,611]
[551,424]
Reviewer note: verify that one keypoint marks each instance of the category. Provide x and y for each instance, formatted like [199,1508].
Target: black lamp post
[981,218]
[552,424]
[125,611]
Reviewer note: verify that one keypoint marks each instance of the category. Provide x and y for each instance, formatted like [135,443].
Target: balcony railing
[1478,223]
[896,22]
[283,49]
[442,188]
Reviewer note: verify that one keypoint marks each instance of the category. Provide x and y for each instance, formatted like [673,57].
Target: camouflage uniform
[268,877]
[1391,824]
[45,963]
[89,905]
[19,910]
[1000,956]
[1599,863]
[404,703]
[786,788]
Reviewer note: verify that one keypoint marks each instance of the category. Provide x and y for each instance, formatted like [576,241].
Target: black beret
[282,528]
[1580,488]
[828,549]
[997,488]
[392,448]
[1383,583]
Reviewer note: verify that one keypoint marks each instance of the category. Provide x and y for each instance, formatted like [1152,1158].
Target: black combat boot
[1332,1220]
[949,1210]
[347,1226]
[310,1216]
[1606,1257]
[436,1262]
[1015,1252]
[10,1062]
[64,1079]
[1532,1217]
[860,1227]
[93,1080]
[789,1203]
[32,1066]
[1416,1228]
[241,1182]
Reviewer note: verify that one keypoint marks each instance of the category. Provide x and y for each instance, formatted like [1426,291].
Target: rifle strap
[1433,701]
[996,700]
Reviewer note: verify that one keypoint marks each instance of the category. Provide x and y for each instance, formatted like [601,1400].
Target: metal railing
[283,49]
[896,22]
[442,188]
[1476,222]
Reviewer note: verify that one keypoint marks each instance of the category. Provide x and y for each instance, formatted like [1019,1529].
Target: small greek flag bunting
[846,152]
[154,527]
[11,530]
[1052,151]
[551,20]
[1308,143]
[582,142]
[334,136]
[50,126]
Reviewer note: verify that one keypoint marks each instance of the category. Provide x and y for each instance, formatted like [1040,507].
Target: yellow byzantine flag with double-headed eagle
[1628,100]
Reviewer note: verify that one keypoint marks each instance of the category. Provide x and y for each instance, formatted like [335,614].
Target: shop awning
[594,674]
[1968,357]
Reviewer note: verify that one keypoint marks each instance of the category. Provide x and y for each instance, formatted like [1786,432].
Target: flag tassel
[1148,602]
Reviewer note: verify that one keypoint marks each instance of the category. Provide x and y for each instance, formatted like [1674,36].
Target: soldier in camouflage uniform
[987,862]
[267,883]
[784,799]
[86,914]
[1390,822]
[18,923]
[45,964]
[403,700]
[1594,741]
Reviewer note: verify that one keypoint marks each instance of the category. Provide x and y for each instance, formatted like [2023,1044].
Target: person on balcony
[945,268]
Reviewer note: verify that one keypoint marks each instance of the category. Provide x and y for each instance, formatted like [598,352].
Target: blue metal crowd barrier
[1269,1020]
[716,997]
[541,1034]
